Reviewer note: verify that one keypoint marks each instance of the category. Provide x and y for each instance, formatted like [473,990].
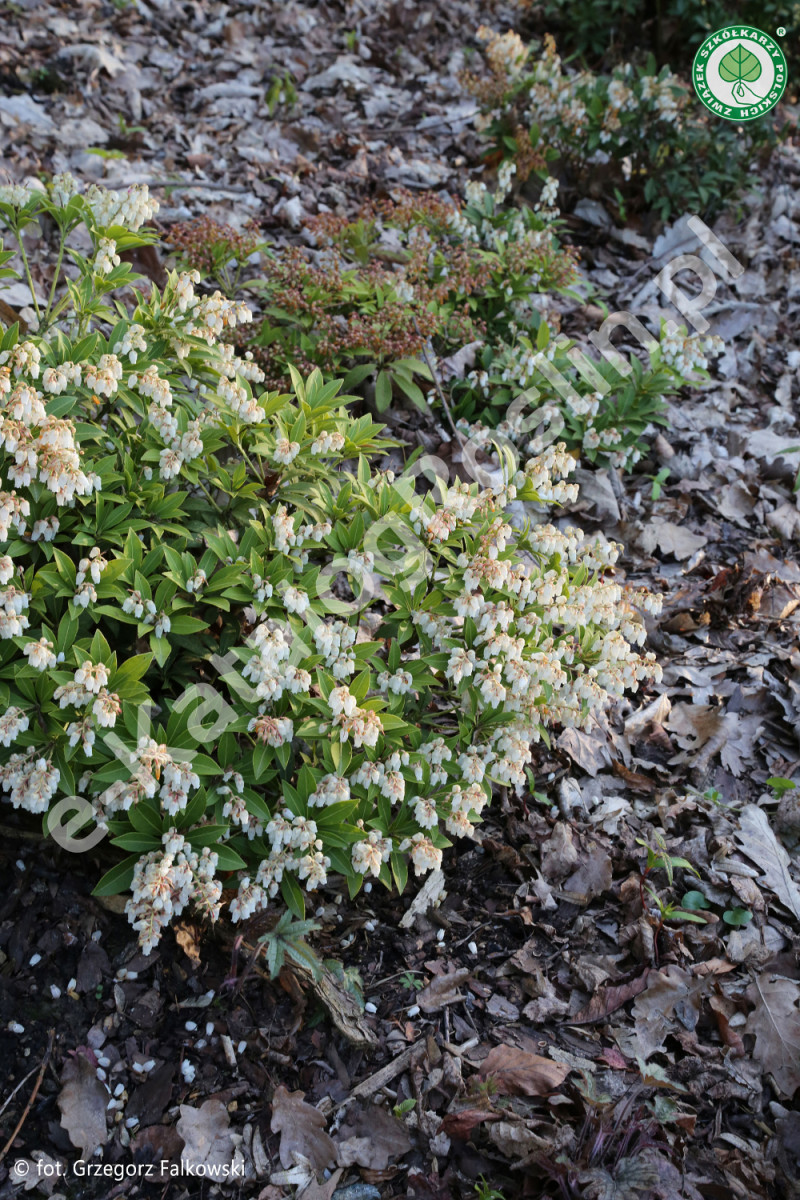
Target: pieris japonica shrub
[602,415]
[251,656]
[632,137]
[407,274]
[469,287]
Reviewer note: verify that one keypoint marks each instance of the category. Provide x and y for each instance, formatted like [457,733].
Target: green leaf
[141,842]
[228,859]
[144,819]
[399,870]
[383,391]
[161,649]
[118,879]
[293,895]
[207,835]
[414,393]
[737,916]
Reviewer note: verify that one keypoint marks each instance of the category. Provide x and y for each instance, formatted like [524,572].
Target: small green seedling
[780,785]
[658,482]
[737,917]
[405,1106]
[485,1191]
[659,858]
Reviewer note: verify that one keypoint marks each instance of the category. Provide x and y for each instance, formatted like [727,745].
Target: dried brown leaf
[609,999]
[775,1022]
[668,538]
[83,1101]
[761,845]
[516,1072]
[461,1124]
[371,1138]
[443,990]
[302,1130]
[206,1132]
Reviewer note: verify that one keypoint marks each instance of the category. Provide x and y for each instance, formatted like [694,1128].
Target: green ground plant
[633,137]
[419,287]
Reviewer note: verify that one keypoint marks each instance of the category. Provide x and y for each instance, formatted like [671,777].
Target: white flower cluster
[544,651]
[15,194]
[209,316]
[294,847]
[687,353]
[131,208]
[235,805]
[106,258]
[165,881]
[30,781]
[362,724]
[155,772]
[507,53]
[269,668]
[146,611]
[43,447]
[559,101]
[64,187]
[132,343]
[88,691]
[287,537]
[369,855]
[13,722]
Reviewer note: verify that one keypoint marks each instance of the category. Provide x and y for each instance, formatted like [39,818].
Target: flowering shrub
[481,276]
[242,648]
[632,132]
[595,410]
[406,274]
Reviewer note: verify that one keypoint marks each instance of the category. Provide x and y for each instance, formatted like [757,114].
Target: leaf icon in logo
[740,66]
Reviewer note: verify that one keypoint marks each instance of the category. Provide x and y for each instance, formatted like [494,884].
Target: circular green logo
[739,73]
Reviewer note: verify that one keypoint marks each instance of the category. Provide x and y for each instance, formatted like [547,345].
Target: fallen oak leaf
[671,539]
[713,966]
[83,1101]
[612,1058]
[719,1005]
[314,1190]
[188,935]
[516,1072]
[370,1138]
[206,1133]
[634,779]
[592,878]
[758,842]
[302,1130]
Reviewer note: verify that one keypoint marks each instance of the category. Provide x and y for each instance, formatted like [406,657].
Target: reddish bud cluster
[342,304]
[204,244]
